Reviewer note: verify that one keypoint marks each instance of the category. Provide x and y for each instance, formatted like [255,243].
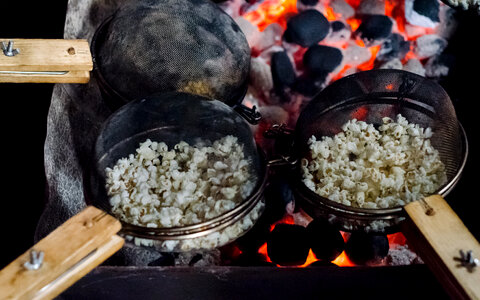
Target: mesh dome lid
[173,45]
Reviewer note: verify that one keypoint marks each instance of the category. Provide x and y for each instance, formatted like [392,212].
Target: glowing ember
[272,11]
[355,58]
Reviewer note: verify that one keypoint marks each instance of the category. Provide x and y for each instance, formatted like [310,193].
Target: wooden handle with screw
[46,61]
[71,251]
[439,236]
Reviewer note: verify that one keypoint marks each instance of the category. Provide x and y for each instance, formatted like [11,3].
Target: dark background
[24,109]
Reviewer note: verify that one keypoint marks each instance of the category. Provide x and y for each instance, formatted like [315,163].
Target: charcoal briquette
[374,28]
[428,8]
[337,25]
[283,74]
[288,245]
[362,247]
[307,28]
[309,86]
[277,195]
[320,59]
[395,46]
[326,240]
[309,2]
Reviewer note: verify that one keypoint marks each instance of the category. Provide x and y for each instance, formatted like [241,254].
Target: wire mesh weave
[173,45]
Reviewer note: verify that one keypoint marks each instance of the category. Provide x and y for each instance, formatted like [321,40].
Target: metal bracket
[8,49]
[36,260]
[467,260]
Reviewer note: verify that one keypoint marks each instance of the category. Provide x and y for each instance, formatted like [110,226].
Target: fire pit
[287,70]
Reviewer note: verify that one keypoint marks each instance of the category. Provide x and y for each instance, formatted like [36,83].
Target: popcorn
[369,168]
[158,187]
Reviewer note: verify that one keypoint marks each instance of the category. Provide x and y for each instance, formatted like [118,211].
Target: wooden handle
[46,61]
[70,252]
[439,236]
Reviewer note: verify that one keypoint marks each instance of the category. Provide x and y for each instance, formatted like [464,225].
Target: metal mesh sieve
[171,45]
[173,117]
[369,96]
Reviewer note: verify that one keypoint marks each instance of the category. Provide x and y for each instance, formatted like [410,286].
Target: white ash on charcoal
[415,66]
[355,55]
[232,7]
[267,53]
[429,45]
[261,76]
[198,259]
[250,31]
[448,22]
[371,7]
[395,46]
[374,29]
[393,64]
[424,13]
[272,35]
[339,35]
[342,9]
[307,28]
[439,65]
[413,31]
[401,255]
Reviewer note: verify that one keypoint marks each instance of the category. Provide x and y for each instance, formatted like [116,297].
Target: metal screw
[8,49]
[468,260]
[36,260]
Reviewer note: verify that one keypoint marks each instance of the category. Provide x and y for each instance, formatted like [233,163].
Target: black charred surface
[362,247]
[283,74]
[337,25]
[322,263]
[320,59]
[308,86]
[309,2]
[277,195]
[394,46]
[374,28]
[167,259]
[326,241]
[428,8]
[288,245]
[307,28]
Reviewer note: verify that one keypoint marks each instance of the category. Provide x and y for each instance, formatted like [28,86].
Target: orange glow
[389,86]
[287,219]
[354,3]
[272,11]
[396,238]
[330,14]
[343,261]
[263,251]
[369,64]
[354,23]
[360,114]
[311,258]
